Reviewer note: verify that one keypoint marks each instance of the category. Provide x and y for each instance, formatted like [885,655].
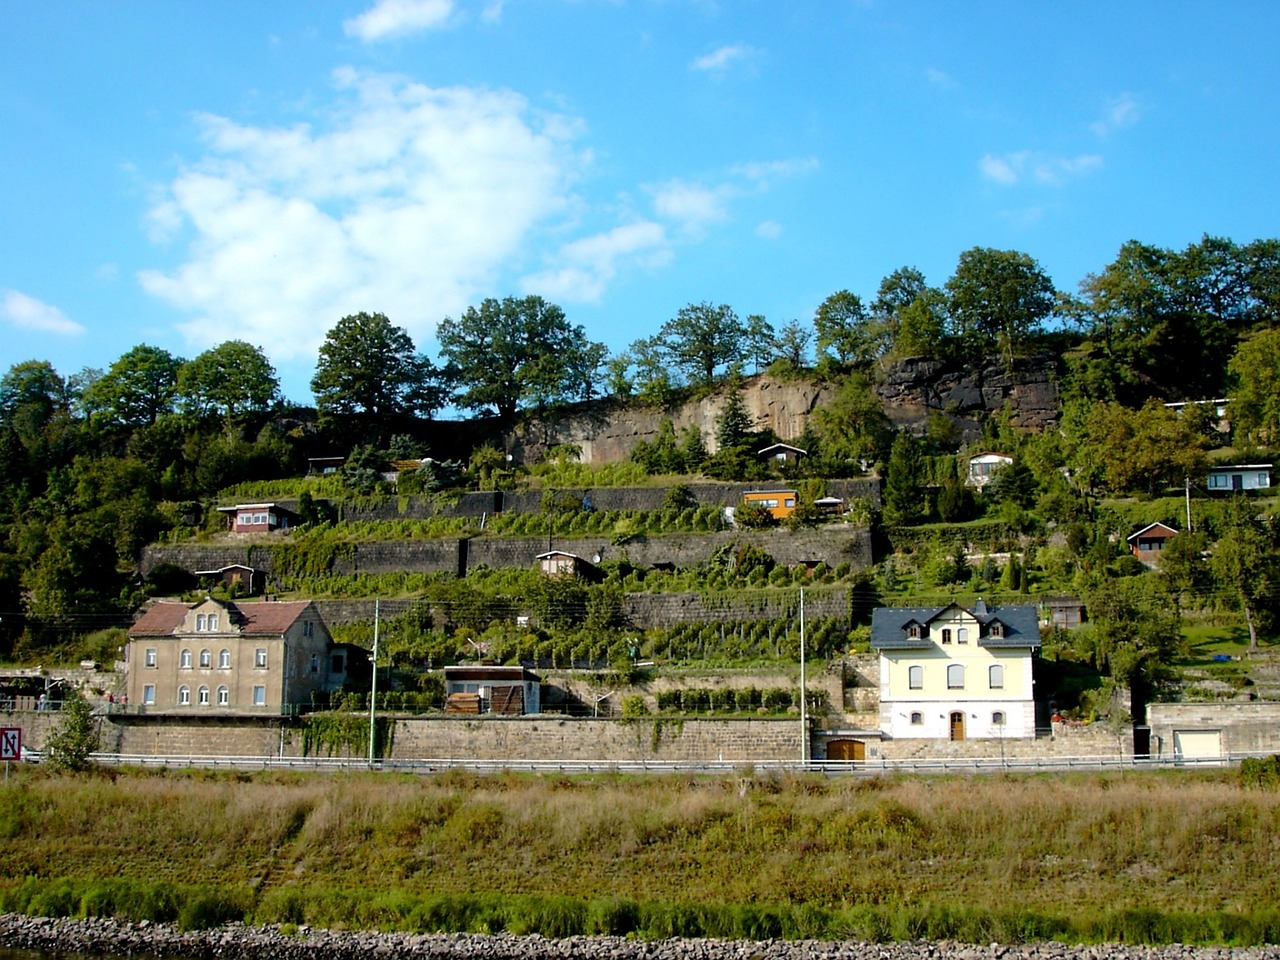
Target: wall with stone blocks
[554,738]
[831,545]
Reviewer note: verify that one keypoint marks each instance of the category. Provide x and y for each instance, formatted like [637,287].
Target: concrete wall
[1245,727]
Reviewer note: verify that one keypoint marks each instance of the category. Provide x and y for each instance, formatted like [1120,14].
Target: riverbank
[240,942]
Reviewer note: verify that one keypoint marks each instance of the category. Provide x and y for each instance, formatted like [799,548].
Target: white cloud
[1121,111]
[693,205]
[397,18]
[769,230]
[409,200]
[1015,168]
[492,12]
[762,174]
[723,58]
[28,313]
[588,265]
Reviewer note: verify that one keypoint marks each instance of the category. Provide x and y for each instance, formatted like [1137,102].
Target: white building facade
[951,673]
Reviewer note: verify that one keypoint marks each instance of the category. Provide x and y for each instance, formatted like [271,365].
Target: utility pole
[373,688]
[804,720]
[1188,489]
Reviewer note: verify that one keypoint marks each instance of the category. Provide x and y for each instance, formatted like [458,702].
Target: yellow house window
[915,677]
[946,635]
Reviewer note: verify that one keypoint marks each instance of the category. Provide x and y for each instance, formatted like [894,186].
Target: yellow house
[780,503]
[952,673]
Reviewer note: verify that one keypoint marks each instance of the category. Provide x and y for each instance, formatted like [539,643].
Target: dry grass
[1061,845]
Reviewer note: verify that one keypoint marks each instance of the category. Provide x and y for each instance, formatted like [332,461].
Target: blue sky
[184,173]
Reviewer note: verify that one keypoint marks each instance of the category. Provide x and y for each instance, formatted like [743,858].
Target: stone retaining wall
[555,738]
[831,545]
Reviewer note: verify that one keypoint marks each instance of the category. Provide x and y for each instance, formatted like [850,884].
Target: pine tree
[903,486]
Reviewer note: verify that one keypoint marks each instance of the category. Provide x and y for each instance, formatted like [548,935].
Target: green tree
[759,338]
[846,335]
[369,369]
[517,352]
[852,426]
[1246,562]
[897,291]
[231,379]
[904,500]
[999,297]
[1255,394]
[792,349]
[733,426]
[1122,450]
[1135,629]
[137,389]
[921,327]
[653,377]
[702,339]
[73,738]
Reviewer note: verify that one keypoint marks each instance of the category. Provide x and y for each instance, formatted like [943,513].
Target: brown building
[780,503]
[1148,543]
[211,656]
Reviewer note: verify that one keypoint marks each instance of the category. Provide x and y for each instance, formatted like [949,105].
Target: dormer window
[913,631]
[202,622]
[213,621]
[997,628]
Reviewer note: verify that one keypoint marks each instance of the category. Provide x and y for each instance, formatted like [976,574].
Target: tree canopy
[517,352]
[369,368]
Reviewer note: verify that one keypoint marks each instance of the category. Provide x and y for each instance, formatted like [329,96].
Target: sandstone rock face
[910,389]
[607,434]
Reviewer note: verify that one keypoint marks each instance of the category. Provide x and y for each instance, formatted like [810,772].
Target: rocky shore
[241,942]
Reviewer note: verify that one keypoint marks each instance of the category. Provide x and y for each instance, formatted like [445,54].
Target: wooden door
[854,750]
[957,726]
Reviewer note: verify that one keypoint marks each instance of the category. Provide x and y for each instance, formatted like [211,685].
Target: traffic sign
[10,743]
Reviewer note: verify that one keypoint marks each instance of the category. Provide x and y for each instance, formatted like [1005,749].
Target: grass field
[1141,857]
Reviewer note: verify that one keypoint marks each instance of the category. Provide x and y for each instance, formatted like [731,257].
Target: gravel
[237,941]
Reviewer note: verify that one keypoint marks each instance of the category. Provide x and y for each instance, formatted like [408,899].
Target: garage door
[1197,744]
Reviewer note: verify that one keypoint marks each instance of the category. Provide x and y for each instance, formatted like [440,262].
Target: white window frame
[260,657]
[224,696]
[149,657]
[202,696]
[184,660]
[915,677]
[995,676]
[224,659]
[206,659]
[149,694]
[955,676]
[184,696]
[260,696]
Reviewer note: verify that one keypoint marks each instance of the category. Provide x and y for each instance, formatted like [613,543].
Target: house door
[855,750]
[957,726]
[1237,481]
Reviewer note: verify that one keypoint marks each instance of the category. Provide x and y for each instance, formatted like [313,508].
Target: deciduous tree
[517,352]
[369,369]
[999,297]
[703,339]
[231,379]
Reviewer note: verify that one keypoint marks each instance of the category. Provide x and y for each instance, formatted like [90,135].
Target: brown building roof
[263,619]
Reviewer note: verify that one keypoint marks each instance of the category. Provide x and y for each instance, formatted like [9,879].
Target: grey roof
[889,626]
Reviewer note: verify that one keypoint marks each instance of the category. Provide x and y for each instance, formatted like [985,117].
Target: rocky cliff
[910,390]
